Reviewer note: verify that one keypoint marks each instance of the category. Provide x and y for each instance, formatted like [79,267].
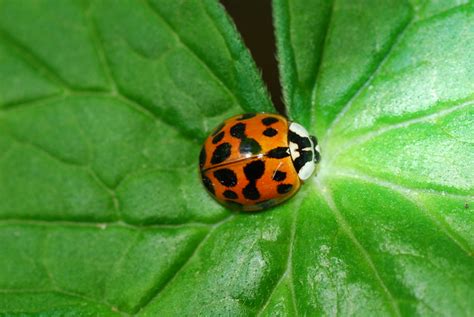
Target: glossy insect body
[256,161]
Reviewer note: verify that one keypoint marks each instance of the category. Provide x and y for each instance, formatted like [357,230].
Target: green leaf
[389,230]
[104,105]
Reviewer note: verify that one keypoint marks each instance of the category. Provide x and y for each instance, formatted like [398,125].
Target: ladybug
[255,161]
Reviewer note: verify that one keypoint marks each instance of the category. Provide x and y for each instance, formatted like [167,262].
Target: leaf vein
[345,226]
[33,60]
[103,225]
[361,139]
[443,13]
[412,195]
[15,104]
[320,61]
[109,190]
[156,292]
[366,83]
[98,44]
[62,292]
[132,103]
[288,267]
[179,38]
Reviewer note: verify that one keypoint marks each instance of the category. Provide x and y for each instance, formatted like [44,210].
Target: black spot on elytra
[284,188]
[221,153]
[251,192]
[279,176]
[230,194]
[254,170]
[238,130]
[218,129]
[218,137]
[270,132]
[246,116]
[269,120]
[278,152]
[202,158]
[249,146]
[226,177]
[207,182]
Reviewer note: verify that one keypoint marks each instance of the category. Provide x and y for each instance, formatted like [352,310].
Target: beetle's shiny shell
[246,164]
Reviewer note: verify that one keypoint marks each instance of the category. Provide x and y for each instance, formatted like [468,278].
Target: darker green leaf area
[103,108]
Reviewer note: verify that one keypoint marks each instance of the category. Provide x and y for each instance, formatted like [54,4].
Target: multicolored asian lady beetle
[255,161]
